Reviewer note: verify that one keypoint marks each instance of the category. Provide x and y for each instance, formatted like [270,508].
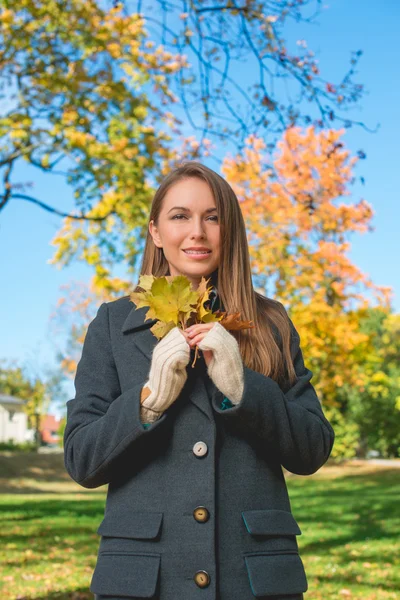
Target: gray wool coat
[197,506]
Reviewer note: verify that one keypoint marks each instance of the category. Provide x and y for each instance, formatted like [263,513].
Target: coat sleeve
[290,425]
[102,424]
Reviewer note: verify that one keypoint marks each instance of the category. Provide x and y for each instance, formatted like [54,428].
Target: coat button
[202,579]
[200,449]
[201,514]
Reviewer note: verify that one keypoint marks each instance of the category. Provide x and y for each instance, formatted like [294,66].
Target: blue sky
[31,286]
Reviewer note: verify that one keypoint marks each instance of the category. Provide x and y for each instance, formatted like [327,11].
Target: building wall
[13,426]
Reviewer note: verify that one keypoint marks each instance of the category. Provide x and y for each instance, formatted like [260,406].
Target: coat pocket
[126,575]
[135,524]
[134,531]
[278,574]
[271,529]
[274,567]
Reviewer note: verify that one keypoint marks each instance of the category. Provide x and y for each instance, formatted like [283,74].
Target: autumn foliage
[299,218]
[96,105]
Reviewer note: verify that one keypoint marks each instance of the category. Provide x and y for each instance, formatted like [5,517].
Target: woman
[197,505]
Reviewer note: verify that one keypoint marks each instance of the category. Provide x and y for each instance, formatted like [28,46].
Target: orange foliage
[298,224]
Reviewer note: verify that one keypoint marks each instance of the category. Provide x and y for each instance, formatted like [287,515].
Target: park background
[351,523]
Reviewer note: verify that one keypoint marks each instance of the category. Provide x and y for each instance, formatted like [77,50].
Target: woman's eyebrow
[208,210]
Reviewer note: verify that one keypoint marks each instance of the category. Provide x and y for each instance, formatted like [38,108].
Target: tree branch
[54,210]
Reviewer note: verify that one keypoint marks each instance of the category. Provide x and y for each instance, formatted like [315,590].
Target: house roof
[6,399]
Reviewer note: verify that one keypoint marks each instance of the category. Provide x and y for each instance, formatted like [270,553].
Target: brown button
[201,514]
[202,579]
[200,449]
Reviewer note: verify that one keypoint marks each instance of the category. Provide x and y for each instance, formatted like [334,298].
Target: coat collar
[136,320]
[135,323]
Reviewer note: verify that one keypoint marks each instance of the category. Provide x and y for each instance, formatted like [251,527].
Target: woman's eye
[214,217]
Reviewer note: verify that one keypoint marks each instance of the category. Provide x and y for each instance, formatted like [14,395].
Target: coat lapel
[143,338]
[139,328]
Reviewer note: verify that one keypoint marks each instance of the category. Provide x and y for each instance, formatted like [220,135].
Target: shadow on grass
[346,511]
[337,516]
[20,471]
[41,524]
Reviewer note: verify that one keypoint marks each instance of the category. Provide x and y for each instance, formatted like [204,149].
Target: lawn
[348,515]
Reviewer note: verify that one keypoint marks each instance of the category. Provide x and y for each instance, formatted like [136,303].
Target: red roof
[48,429]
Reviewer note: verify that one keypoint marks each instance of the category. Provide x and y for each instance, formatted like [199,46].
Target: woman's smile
[197,255]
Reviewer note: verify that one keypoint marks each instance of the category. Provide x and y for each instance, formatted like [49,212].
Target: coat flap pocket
[270,522]
[135,524]
[132,575]
[276,574]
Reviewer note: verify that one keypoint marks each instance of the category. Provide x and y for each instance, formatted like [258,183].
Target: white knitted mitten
[167,374]
[226,366]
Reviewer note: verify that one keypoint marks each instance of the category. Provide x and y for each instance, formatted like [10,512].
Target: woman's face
[194,224]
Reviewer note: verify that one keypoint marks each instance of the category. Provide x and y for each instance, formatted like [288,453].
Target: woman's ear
[154,234]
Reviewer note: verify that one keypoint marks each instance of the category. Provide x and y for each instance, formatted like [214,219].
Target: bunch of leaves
[174,303]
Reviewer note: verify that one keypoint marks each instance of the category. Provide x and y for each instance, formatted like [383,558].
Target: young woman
[197,505]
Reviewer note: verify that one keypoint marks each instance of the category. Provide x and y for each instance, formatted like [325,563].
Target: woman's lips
[200,256]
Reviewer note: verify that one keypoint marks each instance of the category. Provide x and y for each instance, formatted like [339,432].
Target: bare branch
[217,36]
[55,211]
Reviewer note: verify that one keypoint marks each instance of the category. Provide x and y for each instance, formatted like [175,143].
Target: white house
[14,421]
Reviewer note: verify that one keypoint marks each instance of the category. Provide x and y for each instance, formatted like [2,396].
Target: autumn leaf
[171,301]
[174,303]
[234,323]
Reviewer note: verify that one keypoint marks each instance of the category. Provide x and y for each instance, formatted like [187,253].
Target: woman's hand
[225,367]
[167,374]
[195,333]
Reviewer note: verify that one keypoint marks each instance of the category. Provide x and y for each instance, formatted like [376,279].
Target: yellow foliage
[6,16]
[17,134]
[114,49]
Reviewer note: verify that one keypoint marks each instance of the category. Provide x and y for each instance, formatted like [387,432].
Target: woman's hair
[259,348]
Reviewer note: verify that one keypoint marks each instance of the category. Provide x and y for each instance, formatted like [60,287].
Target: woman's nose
[198,228]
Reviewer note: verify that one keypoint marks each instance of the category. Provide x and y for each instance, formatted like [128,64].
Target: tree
[299,228]
[76,108]
[375,406]
[15,382]
[218,37]
[93,99]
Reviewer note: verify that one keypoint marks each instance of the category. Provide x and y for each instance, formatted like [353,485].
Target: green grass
[349,545]
[350,523]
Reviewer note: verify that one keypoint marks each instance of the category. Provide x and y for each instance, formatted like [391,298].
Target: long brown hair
[259,348]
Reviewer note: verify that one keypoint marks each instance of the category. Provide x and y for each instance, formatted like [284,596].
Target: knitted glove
[226,366]
[167,375]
